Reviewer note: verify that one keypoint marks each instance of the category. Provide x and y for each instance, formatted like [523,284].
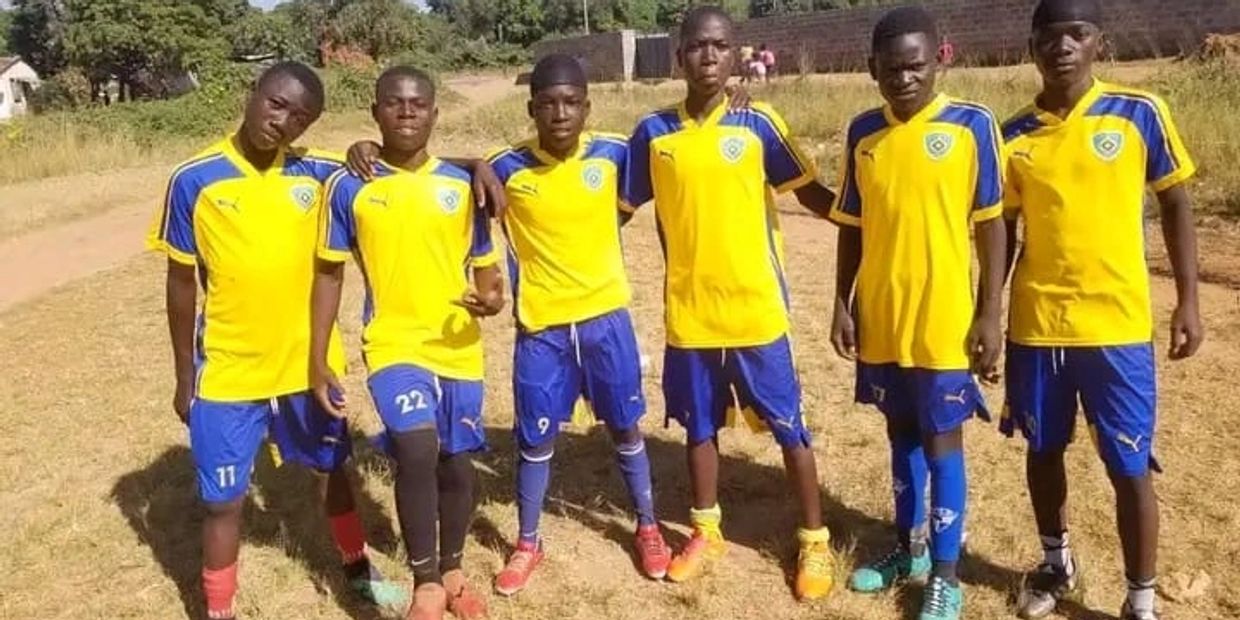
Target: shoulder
[312,162]
[343,186]
[510,160]
[866,123]
[657,123]
[606,146]
[1131,103]
[209,166]
[1021,123]
[446,171]
[968,112]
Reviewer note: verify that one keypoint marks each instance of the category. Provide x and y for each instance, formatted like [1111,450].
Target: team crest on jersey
[304,195]
[449,200]
[592,176]
[732,148]
[938,144]
[1108,144]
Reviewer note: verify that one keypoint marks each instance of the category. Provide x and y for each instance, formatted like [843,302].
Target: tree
[381,28]
[6,20]
[37,34]
[259,33]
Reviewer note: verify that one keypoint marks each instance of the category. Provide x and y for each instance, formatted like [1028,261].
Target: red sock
[350,539]
[220,588]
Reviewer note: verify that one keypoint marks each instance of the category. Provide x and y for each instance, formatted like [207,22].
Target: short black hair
[304,75]
[698,16]
[1058,11]
[556,69]
[901,21]
[405,72]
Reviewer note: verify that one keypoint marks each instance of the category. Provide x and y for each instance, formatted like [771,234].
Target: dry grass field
[98,509]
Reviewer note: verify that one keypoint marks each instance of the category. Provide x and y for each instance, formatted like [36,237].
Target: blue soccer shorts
[939,401]
[700,384]
[1115,385]
[409,397]
[225,438]
[596,359]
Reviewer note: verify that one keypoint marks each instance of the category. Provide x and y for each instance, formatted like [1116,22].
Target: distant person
[757,69]
[747,55]
[239,221]
[920,174]
[1082,157]
[712,174]
[947,53]
[768,61]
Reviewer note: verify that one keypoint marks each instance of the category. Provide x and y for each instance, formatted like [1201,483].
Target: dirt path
[35,260]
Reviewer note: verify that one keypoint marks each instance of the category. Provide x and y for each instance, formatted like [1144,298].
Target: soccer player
[575,337]
[417,237]
[1080,160]
[712,173]
[917,174]
[240,220]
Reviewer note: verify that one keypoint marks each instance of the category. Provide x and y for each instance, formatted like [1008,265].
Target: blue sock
[949,491]
[533,477]
[908,482]
[635,467]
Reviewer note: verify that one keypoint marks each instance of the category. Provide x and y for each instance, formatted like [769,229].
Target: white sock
[1057,552]
[1141,597]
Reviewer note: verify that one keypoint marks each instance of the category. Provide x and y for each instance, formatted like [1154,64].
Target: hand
[328,391]
[362,158]
[844,333]
[984,343]
[1186,332]
[738,97]
[182,398]
[481,305]
[488,190]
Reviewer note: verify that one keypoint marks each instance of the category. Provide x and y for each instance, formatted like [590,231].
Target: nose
[710,55]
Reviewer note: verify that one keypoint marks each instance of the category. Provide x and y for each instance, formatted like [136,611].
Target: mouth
[905,95]
[270,136]
[406,130]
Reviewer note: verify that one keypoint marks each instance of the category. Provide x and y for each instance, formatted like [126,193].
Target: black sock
[457,501]
[417,500]
[946,571]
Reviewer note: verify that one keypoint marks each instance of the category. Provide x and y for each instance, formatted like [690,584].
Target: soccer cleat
[898,565]
[942,600]
[371,586]
[1126,613]
[1046,586]
[465,603]
[699,553]
[521,565]
[654,553]
[815,570]
[430,601]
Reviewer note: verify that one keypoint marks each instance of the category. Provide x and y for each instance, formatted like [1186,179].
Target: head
[903,58]
[1067,37]
[404,108]
[705,53]
[559,101]
[286,99]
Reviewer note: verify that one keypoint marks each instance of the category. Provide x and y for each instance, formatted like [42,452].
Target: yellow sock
[809,537]
[708,520]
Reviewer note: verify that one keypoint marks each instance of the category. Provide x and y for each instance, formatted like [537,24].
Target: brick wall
[989,31]
[608,55]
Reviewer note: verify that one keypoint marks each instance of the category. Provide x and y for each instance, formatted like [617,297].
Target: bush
[66,90]
[349,87]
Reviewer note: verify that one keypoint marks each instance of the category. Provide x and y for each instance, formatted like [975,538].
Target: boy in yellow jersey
[417,238]
[240,220]
[575,337]
[712,173]
[1080,160]
[919,173]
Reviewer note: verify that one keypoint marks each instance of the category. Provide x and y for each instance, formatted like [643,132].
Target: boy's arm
[181,291]
[816,197]
[324,306]
[985,340]
[487,297]
[847,262]
[1180,235]
[487,188]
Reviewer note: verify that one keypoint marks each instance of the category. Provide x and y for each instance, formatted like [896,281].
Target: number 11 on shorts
[226,475]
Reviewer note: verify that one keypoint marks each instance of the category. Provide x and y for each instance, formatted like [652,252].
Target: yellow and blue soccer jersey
[1079,184]
[713,185]
[252,235]
[417,235]
[914,188]
[563,230]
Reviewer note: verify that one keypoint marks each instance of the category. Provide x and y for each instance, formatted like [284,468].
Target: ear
[873,67]
[529,108]
[680,58]
[586,106]
[374,112]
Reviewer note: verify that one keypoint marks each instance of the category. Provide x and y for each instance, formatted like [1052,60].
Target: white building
[17,81]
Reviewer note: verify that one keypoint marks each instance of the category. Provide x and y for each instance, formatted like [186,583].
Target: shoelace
[651,545]
[892,559]
[1046,578]
[936,597]
[815,559]
[520,561]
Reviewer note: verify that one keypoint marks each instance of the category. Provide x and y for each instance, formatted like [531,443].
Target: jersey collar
[426,167]
[1086,102]
[931,110]
[688,122]
[234,154]
[583,141]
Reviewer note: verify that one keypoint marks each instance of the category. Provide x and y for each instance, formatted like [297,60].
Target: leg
[1136,508]
[948,496]
[460,435]
[221,544]
[417,500]
[802,468]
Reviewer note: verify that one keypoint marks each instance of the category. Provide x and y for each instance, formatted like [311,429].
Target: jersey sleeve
[1167,161]
[988,197]
[173,232]
[338,226]
[787,166]
[636,184]
[482,251]
[846,210]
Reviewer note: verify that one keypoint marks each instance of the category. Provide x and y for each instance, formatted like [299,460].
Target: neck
[698,104]
[559,151]
[905,114]
[1062,99]
[261,160]
[405,159]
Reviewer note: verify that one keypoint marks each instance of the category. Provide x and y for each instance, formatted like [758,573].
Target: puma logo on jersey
[785,423]
[666,154]
[956,398]
[525,188]
[1135,444]
[472,423]
[867,154]
[378,201]
[1025,155]
[227,203]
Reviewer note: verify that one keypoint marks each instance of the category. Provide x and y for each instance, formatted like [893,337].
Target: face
[279,110]
[904,68]
[559,114]
[1064,52]
[405,111]
[706,55]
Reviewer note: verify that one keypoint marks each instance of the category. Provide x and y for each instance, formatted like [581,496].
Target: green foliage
[6,21]
[350,88]
[37,34]
[66,90]
[258,33]
[381,28]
